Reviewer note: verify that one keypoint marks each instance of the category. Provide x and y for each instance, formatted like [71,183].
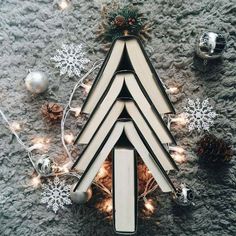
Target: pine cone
[119,20]
[52,111]
[214,150]
[131,21]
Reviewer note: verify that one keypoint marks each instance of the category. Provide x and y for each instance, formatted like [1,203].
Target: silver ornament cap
[37,82]
[78,196]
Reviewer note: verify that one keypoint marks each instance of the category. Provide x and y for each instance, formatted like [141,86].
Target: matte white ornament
[80,197]
[37,82]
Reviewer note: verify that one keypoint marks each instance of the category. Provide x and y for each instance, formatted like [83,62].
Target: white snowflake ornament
[200,115]
[71,59]
[56,194]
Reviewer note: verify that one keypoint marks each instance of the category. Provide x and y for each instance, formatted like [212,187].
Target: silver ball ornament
[44,166]
[210,45]
[37,82]
[184,196]
[80,197]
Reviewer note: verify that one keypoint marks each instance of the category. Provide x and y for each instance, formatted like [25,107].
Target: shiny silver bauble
[210,45]
[184,196]
[37,82]
[44,166]
[78,196]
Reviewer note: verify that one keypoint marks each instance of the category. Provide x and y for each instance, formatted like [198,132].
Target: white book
[110,65]
[100,134]
[138,94]
[124,190]
[154,142]
[146,130]
[149,158]
[139,143]
[96,163]
[141,66]
[147,77]
[124,175]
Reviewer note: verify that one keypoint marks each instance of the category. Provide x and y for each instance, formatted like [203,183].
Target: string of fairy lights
[42,143]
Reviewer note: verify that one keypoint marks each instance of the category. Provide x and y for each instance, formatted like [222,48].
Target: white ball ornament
[37,82]
[78,196]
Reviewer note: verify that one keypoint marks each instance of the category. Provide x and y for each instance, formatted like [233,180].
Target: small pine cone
[52,111]
[131,21]
[119,20]
[214,150]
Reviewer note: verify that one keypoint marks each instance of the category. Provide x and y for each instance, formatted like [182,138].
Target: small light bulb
[108,205]
[63,4]
[65,169]
[35,182]
[181,119]
[42,140]
[76,110]
[41,143]
[180,150]
[173,90]
[149,206]
[102,173]
[178,157]
[69,138]
[87,87]
[15,126]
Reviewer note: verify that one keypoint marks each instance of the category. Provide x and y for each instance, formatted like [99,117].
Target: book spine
[124,190]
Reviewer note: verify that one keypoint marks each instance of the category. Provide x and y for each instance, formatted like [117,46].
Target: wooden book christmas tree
[126,104]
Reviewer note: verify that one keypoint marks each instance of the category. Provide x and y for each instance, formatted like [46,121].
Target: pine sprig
[118,21]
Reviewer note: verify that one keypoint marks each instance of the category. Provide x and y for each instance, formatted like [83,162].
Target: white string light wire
[150,185]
